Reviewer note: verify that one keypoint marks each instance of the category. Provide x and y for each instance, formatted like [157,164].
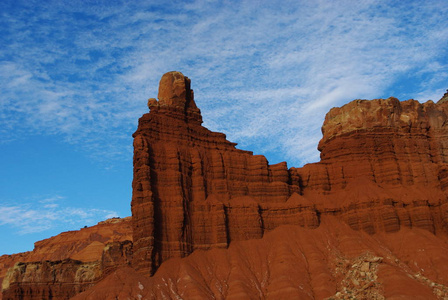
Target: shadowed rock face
[212,221]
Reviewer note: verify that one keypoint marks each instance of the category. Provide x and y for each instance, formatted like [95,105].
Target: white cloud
[264,74]
[48,213]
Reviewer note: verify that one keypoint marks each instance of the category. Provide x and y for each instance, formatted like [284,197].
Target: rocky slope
[66,264]
[210,221]
[332,261]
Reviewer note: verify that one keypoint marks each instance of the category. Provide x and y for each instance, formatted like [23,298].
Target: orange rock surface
[193,189]
[210,221]
[383,166]
[68,263]
[332,261]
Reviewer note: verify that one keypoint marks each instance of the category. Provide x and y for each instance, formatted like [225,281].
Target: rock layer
[385,140]
[383,165]
[67,264]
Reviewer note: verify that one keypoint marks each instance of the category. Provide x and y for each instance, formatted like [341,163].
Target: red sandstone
[67,264]
[212,221]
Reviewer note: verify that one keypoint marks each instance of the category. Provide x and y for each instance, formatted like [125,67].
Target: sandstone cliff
[67,264]
[383,166]
[209,220]
[193,189]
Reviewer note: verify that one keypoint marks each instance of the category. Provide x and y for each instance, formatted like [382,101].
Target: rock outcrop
[332,261]
[193,189]
[383,166]
[69,263]
[390,142]
[210,221]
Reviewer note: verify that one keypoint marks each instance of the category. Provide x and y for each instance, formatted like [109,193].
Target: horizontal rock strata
[210,221]
[193,189]
[67,264]
[383,166]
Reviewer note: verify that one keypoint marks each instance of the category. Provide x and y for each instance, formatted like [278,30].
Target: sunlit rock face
[210,221]
[383,166]
[193,189]
[332,261]
[69,263]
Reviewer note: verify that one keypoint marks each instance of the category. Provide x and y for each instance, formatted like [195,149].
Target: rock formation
[67,264]
[193,189]
[383,165]
[370,220]
[332,261]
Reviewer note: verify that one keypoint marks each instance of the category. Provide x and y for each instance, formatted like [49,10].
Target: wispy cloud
[49,213]
[264,74]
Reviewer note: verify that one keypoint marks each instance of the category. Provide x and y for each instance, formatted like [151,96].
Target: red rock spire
[175,93]
[192,188]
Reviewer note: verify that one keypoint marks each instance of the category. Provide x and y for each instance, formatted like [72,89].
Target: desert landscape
[212,221]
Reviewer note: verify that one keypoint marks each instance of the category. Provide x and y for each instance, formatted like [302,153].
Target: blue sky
[75,77]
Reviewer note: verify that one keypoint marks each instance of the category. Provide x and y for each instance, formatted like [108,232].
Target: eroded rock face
[370,220]
[193,189]
[332,261]
[69,263]
[383,166]
[35,280]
